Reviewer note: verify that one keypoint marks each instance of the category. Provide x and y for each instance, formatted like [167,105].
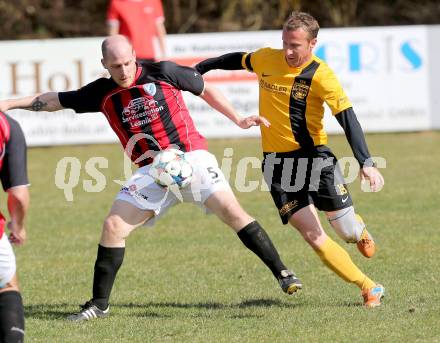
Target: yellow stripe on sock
[338,260]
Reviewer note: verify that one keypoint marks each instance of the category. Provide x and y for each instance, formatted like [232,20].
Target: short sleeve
[256,61]
[183,78]
[246,62]
[14,167]
[331,91]
[85,99]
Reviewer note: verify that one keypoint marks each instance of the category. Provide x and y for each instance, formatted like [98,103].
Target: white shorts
[144,193]
[7,261]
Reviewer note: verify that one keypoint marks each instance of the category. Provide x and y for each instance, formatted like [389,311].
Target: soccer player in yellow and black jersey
[301,170]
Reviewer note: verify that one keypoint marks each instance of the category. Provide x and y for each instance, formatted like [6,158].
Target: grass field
[189,279]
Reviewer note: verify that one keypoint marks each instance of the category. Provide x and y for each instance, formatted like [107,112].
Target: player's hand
[17,235]
[246,123]
[373,176]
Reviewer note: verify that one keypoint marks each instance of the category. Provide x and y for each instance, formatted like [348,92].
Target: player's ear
[313,42]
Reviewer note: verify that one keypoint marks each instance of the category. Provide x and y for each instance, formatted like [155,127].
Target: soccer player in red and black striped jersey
[13,175]
[143,104]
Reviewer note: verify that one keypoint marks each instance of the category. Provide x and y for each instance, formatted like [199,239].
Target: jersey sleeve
[14,168]
[355,136]
[183,78]
[112,11]
[85,99]
[255,61]
[331,91]
[230,61]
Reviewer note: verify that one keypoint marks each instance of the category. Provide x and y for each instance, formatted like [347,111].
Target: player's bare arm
[218,101]
[39,102]
[18,204]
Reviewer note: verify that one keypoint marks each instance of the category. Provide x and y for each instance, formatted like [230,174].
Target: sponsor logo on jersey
[273,88]
[300,90]
[144,109]
[150,88]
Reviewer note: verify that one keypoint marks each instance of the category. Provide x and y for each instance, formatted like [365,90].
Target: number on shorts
[214,174]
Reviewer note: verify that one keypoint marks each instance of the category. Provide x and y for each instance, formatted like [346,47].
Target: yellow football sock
[338,260]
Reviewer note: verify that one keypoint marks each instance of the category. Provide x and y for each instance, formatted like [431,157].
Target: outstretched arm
[355,136]
[231,61]
[40,102]
[218,101]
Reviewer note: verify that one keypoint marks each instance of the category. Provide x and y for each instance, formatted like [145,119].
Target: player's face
[297,47]
[122,67]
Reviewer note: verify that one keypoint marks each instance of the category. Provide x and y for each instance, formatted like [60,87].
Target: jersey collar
[138,73]
[304,65]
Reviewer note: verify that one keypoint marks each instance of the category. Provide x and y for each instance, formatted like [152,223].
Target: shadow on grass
[211,305]
[58,311]
[350,304]
[47,311]
[207,307]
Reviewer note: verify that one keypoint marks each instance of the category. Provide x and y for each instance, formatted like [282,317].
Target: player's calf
[11,317]
[255,238]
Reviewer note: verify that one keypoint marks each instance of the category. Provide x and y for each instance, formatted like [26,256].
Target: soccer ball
[170,168]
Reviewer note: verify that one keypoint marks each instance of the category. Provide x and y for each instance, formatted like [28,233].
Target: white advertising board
[36,66]
[388,73]
[384,72]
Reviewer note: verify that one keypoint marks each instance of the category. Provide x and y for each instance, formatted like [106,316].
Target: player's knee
[113,228]
[312,232]
[235,216]
[345,224]
[314,237]
[11,286]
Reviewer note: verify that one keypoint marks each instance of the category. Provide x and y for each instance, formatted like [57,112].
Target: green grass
[189,279]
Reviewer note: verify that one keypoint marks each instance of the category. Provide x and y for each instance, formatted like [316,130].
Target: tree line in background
[29,19]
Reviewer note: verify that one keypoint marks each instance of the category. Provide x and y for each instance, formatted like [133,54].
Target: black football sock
[107,265]
[256,239]
[11,317]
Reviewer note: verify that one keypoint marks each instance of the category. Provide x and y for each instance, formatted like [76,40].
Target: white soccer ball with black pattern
[170,167]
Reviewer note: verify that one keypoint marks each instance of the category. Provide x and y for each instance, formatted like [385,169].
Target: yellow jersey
[292,99]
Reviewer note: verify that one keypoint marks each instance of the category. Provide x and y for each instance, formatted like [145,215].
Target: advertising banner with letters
[388,73]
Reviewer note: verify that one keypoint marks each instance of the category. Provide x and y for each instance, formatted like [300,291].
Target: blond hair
[302,20]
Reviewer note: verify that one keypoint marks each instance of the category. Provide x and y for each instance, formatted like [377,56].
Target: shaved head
[119,58]
[115,45]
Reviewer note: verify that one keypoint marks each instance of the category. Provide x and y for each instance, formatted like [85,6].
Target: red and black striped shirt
[150,115]
[13,159]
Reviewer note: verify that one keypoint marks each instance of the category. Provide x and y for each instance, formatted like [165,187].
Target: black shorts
[303,177]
